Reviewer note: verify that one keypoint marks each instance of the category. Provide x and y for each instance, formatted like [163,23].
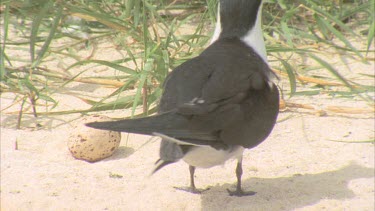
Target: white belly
[206,156]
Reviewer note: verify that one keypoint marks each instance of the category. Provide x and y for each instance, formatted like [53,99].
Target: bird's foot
[192,189]
[240,192]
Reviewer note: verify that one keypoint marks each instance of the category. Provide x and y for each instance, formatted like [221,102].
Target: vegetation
[43,31]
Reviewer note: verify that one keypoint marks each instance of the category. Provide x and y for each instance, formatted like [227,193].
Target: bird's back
[238,101]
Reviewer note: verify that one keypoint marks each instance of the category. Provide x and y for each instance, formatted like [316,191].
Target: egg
[91,144]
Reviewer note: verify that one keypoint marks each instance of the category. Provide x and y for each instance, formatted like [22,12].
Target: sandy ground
[297,168]
[301,166]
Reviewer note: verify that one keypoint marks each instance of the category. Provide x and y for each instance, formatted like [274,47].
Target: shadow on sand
[287,193]
[121,153]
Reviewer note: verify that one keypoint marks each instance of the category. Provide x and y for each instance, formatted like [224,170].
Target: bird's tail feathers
[166,125]
[147,125]
[160,164]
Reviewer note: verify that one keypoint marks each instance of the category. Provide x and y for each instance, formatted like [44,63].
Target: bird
[217,104]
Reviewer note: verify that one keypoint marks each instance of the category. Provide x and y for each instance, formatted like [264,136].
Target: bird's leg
[239,191]
[192,188]
[192,184]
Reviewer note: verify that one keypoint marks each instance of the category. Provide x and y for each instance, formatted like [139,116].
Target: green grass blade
[117,92]
[141,82]
[105,63]
[29,85]
[35,27]
[287,33]
[47,98]
[316,8]
[51,34]
[128,8]
[322,26]
[137,11]
[120,103]
[332,70]
[292,78]
[338,34]
[371,34]
[5,37]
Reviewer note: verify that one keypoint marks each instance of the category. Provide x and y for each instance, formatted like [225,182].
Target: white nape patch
[218,28]
[206,156]
[254,37]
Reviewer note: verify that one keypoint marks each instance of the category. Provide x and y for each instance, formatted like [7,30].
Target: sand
[296,168]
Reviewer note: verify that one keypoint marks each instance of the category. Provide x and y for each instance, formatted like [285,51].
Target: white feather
[254,37]
[171,139]
[206,156]
[218,29]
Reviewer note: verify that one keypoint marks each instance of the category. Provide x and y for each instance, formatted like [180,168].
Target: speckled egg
[91,144]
